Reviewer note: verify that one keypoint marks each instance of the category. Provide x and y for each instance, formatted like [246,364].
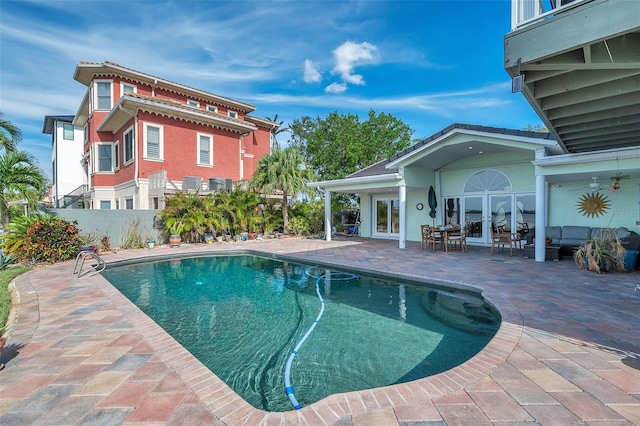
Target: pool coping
[230,408]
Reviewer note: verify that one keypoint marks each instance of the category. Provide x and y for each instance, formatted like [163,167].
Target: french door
[387,217]
[480,212]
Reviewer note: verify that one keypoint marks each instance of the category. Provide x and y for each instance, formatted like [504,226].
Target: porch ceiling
[444,155]
[582,74]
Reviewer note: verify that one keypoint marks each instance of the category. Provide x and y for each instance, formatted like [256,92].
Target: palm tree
[19,174]
[276,131]
[10,135]
[282,170]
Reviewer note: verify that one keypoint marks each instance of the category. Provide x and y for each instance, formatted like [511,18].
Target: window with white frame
[212,108]
[205,150]
[104,153]
[105,205]
[86,133]
[104,95]
[232,114]
[128,203]
[116,155]
[128,145]
[127,88]
[117,204]
[67,131]
[194,104]
[153,142]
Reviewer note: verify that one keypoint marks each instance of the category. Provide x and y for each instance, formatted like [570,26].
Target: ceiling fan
[595,185]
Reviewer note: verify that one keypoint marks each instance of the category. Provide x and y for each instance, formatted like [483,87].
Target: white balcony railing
[527,12]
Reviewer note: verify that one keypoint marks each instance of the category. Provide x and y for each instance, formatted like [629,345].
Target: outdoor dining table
[444,232]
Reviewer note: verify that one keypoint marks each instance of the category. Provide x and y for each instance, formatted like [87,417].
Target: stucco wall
[114,223]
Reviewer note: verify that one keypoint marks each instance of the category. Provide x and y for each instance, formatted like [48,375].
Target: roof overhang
[584,166]
[581,68]
[128,106]
[49,121]
[359,184]
[460,143]
[85,71]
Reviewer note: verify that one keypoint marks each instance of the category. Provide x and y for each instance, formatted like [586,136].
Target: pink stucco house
[145,137]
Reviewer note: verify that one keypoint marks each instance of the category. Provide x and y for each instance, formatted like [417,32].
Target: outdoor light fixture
[518,81]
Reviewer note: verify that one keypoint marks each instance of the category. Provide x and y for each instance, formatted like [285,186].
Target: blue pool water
[243,315]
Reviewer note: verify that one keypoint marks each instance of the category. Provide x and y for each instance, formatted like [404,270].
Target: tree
[535,128]
[282,170]
[10,135]
[341,144]
[275,131]
[19,174]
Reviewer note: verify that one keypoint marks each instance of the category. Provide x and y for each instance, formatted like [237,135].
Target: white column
[541,209]
[327,215]
[402,198]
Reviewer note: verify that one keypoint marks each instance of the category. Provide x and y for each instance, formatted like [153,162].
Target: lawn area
[6,275]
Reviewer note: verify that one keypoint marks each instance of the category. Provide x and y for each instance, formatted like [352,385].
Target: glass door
[473,217]
[501,212]
[387,214]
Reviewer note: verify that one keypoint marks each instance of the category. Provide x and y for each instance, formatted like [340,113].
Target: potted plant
[615,182]
[208,239]
[88,241]
[600,253]
[151,244]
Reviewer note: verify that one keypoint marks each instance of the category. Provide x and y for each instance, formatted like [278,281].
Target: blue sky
[428,63]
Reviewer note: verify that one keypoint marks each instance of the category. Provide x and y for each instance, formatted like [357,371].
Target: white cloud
[336,88]
[311,73]
[350,54]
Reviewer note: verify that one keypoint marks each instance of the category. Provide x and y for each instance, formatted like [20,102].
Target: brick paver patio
[568,351]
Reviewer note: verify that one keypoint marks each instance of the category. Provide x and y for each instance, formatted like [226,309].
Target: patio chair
[500,238]
[430,237]
[457,238]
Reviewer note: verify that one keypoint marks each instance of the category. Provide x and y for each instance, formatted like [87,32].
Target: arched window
[488,181]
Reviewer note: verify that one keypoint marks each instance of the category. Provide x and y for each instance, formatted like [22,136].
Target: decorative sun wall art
[593,204]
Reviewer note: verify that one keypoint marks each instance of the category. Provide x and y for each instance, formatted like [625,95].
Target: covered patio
[567,352]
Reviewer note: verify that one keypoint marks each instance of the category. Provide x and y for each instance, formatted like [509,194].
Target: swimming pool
[244,315]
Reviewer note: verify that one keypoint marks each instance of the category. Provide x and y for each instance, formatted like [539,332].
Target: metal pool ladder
[95,268]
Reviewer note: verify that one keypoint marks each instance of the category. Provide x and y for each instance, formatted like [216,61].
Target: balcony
[581,65]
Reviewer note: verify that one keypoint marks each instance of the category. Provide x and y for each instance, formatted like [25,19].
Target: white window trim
[86,132]
[206,135]
[133,205]
[123,85]
[116,156]
[232,114]
[212,108]
[126,162]
[95,94]
[160,142]
[104,201]
[193,104]
[96,163]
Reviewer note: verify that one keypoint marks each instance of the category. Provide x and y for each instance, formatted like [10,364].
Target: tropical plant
[6,259]
[282,170]
[270,217]
[275,131]
[183,215]
[16,231]
[49,239]
[10,135]
[601,252]
[18,175]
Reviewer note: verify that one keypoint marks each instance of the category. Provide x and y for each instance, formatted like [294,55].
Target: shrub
[298,225]
[50,240]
